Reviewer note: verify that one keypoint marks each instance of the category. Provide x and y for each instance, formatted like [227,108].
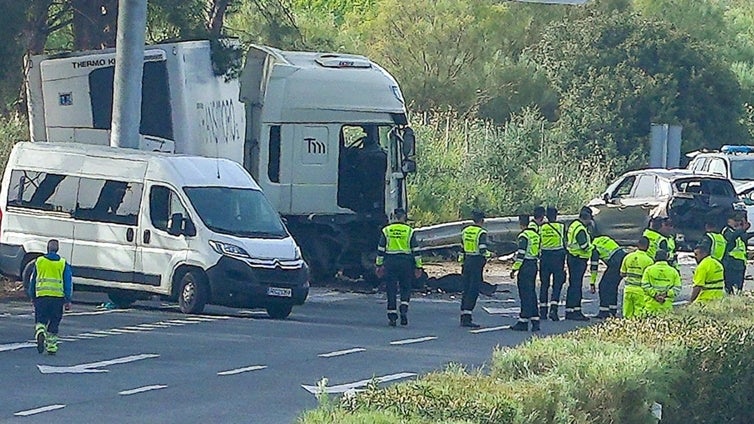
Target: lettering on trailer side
[218,121]
[98,63]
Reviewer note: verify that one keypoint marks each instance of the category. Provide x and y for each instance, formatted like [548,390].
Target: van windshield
[236,211]
[742,169]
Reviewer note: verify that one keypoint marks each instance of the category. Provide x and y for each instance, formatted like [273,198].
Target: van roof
[184,170]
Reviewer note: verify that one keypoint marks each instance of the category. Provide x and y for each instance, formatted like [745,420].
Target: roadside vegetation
[693,365]
[515,104]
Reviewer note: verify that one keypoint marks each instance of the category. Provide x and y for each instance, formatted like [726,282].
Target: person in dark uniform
[399,262]
[474,257]
[734,258]
[51,290]
[551,264]
[607,250]
[526,268]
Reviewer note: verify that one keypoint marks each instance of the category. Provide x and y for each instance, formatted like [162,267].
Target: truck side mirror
[175,227]
[606,197]
[408,166]
[409,142]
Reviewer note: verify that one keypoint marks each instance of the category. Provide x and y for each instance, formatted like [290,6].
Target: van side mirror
[409,142]
[189,229]
[175,228]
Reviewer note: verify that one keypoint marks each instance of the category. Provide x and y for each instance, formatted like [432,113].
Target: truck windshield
[238,212]
[742,169]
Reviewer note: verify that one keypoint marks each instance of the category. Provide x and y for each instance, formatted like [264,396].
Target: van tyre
[122,299]
[193,293]
[279,311]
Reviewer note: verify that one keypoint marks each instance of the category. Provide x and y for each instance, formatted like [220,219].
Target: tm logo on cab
[314,147]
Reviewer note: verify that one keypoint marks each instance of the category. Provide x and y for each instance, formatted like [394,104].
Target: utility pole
[129,69]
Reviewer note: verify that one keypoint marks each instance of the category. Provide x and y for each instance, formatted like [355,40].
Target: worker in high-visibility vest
[714,239]
[525,269]
[51,290]
[632,269]
[608,251]
[734,257]
[474,257]
[579,246]
[709,277]
[400,263]
[551,264]
[662,284]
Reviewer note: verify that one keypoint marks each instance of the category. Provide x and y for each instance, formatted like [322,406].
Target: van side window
[110,201]
[42,191]
[273,161]
[163,203]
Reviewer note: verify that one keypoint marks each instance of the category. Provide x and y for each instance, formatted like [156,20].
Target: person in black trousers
[551,264]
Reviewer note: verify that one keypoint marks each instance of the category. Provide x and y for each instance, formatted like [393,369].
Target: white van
[135,224]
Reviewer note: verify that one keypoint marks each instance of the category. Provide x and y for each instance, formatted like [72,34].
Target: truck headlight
[228,249]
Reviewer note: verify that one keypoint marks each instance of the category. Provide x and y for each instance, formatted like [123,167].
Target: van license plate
[279,292]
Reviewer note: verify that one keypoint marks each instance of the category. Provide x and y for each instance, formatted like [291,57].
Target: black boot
[466,321]
[392,318]
[603,314]
[576,316]
[543,312]
[404,314]
[553,315]
[534,325]
[520,326]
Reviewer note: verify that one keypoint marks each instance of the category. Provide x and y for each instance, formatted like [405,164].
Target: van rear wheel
[194,293]
[279,311]
[122,299]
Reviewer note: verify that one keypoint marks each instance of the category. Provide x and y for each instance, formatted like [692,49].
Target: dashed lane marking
[183,321]
[142,389]
[488,329]
[15,346]
[38,410]
[94,367]
[410,341]
[341,352]
[342,388]
[240,370]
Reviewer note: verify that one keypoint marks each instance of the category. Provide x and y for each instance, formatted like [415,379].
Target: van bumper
[11,259]
[235,283]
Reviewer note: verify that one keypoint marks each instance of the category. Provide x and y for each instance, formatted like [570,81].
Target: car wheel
[122,299]
[194,293]
[279,311]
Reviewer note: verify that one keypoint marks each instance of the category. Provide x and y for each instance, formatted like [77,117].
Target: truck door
[106,220]
[158,251]
[314,170]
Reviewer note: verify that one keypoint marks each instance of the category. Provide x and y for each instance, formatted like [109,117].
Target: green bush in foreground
[696,363]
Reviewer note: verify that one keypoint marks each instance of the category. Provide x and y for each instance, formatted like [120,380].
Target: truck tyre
[193,293]
[26,273]
[122,299]
[279,311]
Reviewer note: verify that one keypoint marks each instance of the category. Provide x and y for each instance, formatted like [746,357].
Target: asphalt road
[153,364]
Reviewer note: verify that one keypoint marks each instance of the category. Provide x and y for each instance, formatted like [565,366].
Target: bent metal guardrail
[501,233]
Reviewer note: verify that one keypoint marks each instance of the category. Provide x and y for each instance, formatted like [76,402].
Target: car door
[636,210]
[607,219]
[106,220]
[158,251]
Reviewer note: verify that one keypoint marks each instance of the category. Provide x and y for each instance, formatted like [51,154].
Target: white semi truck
[325,135]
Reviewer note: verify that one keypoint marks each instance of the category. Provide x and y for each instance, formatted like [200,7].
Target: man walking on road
[632,269]
[526,268]
[400,263]
[709,278]
[734,257]
[662,284]
[474,257]
[607,250]
[579,246]
[551,264]
[51,290]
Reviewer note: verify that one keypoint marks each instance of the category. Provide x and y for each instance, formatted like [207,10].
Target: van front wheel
[279,311]
[194,293]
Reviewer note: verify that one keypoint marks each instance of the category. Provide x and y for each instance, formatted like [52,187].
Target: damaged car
[746,193]
[688,199]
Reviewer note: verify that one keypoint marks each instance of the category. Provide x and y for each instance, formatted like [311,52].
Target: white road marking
[94,367]
[106,332]
[409,341]
[500,311]
[77,314]
[142,389]
[214,316]
[152,326]
[485,330]
[200,319]
[15,346]
[342,388]
[169,324]
[183,321]
[138,328]
[67,339]
[38,410]
[92,335]
[240,370]
[341,352]
[124,331]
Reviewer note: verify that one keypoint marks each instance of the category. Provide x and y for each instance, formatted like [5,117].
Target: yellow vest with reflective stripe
[655,239]
[552,235]
[717,249]
[398,237]
[739,251]
[714,279]
[532,248]
[49,277]
[634,265]
[605,246]
[470,238]
[573,245]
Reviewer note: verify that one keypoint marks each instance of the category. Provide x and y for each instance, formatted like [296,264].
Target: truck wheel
[193,294]
[26,274]
[122,299]
[279,311]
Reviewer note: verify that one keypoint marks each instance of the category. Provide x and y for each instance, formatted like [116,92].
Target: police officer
[474,257]
[551,263]
[632,269]
[734,258]
[709,278]
[714,240]
[661,283]
[526,268]
[579,246]
[51,290]
[607,250]
[399,261]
